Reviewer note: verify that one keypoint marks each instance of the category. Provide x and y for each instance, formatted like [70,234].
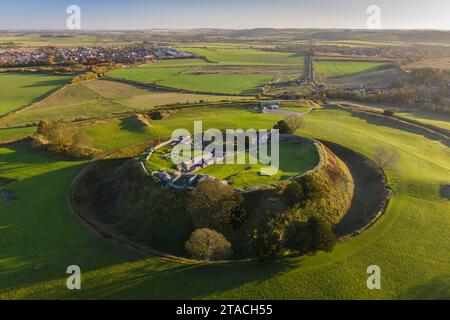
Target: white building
[269,105]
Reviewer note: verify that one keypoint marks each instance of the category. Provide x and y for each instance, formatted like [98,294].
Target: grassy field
[101,98]
[230,71]
[218,83]
[371,78]
[440,120]
[119,133]
[21,89]
[12,134]
[247,56]
[295,159]
[40,237]
[344,68]
[152,74]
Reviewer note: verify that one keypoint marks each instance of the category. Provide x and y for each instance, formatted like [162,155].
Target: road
[284,112]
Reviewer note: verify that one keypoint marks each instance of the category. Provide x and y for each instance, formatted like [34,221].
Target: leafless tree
[386,158]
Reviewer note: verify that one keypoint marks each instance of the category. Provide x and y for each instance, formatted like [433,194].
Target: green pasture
[116,134]
[19,90]
[295,159]
[176,73]
[247,56]
[100,98]
[220,83]
[344,68]
[40,237]
[15,133]
[440,120]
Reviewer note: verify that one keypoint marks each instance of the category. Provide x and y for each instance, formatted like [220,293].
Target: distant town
[87,54]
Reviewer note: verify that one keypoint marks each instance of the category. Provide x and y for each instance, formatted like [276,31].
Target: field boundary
[171,89]
[444,133]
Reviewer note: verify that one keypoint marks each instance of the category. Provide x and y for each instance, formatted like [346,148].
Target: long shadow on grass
[437,288]
[41,238]
[395,124]
[47,83]
[369,190]
[158,279]
[132,125]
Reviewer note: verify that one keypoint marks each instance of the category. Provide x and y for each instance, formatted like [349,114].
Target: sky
[231,14]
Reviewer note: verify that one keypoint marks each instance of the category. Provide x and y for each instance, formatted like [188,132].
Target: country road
[284,112]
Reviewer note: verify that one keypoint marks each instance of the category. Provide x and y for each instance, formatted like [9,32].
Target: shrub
[156,115]
[84,77]
[207,244]
[61,138]
[389,112]
[283,127]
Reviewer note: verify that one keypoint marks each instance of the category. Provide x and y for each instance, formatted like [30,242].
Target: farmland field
[344,68]
[403,243]
[247,56]
[440,120]
[229,71]
[120,133]
[100,98]
[232,84]
[372,78]
[21,89]
[12,134]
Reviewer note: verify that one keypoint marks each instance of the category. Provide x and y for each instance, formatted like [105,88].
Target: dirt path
[284,112]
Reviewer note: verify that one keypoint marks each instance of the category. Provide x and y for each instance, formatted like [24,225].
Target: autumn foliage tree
[62,138]
[207,244]
[215,205]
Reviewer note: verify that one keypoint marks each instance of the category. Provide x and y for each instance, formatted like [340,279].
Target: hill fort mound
[121,198]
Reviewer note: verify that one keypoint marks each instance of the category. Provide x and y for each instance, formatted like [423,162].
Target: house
[269,105]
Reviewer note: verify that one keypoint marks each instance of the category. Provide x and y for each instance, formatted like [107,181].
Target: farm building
[269,105]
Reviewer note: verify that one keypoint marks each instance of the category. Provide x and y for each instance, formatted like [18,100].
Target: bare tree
[295,123]
[386,158]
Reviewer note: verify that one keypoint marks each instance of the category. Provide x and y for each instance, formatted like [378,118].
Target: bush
[156,115]
[207,244]
[389,112]
[283,127]
[61,138]
[84,77]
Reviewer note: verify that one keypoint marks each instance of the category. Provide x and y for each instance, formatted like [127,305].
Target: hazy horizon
[102,15]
